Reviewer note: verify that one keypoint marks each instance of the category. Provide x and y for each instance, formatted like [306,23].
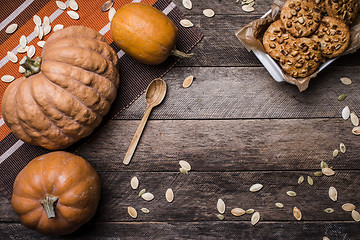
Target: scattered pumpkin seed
[248,8]
[354,119]
[58,27]
[323,165]
[326,238]
[220,217]
[355,215]
[11,28]
[329,210]
[41,32]
[345,113]
[342,97]
[220,206]
[187,4]
[183,171]
[356,130]
[348,207]
[134,182]
[145,210]
[147,196]
[185,165]
[41,43]
[291,193]
[256,187]
[142,191]
[186,23]
[73,5]
[61,5]
[169,195]
[74,15]
[23,41]
[318,174]
[328,171]
[132,212]
[208,13]
[12,57]
[111,14]
[333,193]
[21,50]
[297,213]
[31,51]
[36,31]
[310,180]
[188,81]
[46,21]
[107,5]
[237,212]
[47,30]
[301,180]
[250,211]
[255,218]
[7,78]
[342,148]
[345,80]
[335,153]
[279,205]
[37,20]
[22,69]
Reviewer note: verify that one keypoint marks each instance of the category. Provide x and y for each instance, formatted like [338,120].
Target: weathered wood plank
[197,230]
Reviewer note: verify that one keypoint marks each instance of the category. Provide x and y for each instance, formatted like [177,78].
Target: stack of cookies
[308,32]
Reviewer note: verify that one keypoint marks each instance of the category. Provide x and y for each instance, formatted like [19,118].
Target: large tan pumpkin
[56,193]
[68,98]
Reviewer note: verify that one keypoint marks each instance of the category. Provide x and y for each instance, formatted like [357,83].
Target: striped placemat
[134,76]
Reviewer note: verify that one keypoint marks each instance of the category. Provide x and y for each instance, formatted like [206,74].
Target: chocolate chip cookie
[333,35]
[345,10]
[275,39]
[301,58]
[300,17]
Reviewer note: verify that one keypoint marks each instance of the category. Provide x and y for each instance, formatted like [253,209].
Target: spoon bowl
[155,92]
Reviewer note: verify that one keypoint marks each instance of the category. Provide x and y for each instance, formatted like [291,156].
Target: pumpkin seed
[208,13]
[301,180]
[21,50]
[187,4]
[107,5]
[247,8]
[186,23]
[112,12]
[185,165]
[356,130]
[256,187]
[7,78]
[255,218]
[318,174]
[297,213]
[250,211]
[237,212]
[329,210]
[73,15]
[134,182]
[279,205]
[345,80]
[183,171]
[132,212]
[31,51]
[169,195]
[12,57]
[73,5]
[142,191]
[291,193]
[22,69]
[147,196]
[354,119]
[23,41]
[342,97]
[335,153]
[36,31]
[220,206]
[46,21]
[41,33]
[145,210]
[310,180]
[342,148]
[345,113]
[11,28]
[41,43]
[326,238]
[220,217]
[61,5]
[323,165]
[333,194]
[355,215]
[328,171]
[188,81]
[58,27]
[37,20]
[348,207]
[47,30]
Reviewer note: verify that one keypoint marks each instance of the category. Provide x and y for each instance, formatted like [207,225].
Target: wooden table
[236,126]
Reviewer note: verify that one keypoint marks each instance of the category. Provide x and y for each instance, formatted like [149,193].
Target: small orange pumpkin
[145,33]
[56,193]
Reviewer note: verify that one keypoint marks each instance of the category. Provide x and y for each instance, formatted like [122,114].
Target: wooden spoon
[155,94]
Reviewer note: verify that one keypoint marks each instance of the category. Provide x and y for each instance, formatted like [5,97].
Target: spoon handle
[137,135]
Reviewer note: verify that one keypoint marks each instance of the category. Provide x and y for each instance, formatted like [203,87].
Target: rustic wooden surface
[236,126]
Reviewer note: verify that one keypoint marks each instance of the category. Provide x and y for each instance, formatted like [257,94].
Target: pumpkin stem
[181,54]
[48,204]
[32,66]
